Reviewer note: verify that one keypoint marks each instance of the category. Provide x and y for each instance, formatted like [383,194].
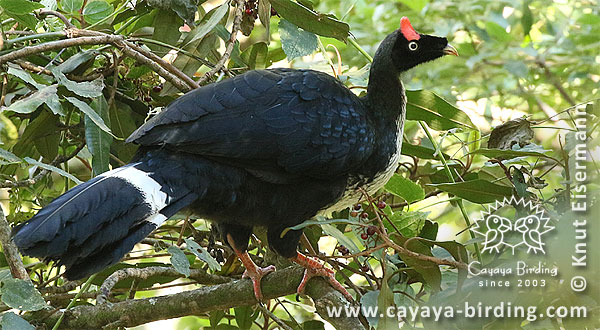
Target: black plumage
[266,148]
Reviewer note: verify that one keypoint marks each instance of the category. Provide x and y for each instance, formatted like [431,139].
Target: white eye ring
[413,45]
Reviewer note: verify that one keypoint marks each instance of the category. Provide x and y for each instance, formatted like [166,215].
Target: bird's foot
[315,268]
[256,274]
[252,271]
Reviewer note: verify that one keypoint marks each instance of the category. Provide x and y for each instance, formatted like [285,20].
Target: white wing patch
[156,219]
[148,187]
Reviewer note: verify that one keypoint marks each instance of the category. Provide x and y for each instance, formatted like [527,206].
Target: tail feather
[108,255]
[96,223]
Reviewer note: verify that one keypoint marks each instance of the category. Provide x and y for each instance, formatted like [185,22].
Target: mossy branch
[134,312]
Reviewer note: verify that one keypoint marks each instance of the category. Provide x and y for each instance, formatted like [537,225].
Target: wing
[278,123]
[535,237]
[491,238]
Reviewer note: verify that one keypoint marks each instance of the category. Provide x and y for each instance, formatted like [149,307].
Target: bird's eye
[413,45]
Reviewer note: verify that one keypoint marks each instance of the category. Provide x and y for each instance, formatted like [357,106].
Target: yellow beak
[450,50]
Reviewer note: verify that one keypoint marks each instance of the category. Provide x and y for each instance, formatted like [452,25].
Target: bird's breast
[370,183]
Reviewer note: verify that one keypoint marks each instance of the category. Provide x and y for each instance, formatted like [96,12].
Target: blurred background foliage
[66,112]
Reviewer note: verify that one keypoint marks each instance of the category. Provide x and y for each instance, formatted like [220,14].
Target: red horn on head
[407,30]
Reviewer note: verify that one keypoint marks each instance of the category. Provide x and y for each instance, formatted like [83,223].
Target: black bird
[266,148]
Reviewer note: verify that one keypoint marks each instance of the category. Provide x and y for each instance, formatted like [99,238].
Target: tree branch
[199,275]
[134,312]
[77,37]
[57,14]
[550,76]
[17,269]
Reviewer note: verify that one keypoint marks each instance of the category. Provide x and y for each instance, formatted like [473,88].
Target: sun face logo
[525,232]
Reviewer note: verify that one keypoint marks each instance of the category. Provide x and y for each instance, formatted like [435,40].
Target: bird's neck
[385,92]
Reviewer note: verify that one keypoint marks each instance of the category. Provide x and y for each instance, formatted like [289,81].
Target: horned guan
[268,148]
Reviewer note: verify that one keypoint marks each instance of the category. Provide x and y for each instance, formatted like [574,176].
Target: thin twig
[237,22]
[62,17]
[404,251]
[550,76]
[168,66]
[270,314]
[78,37]
[429,194]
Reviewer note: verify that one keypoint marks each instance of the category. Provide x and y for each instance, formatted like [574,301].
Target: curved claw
[256,275]
[314,268]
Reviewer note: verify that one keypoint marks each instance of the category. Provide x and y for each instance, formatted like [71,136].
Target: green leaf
[420,151]
[97,140]
[311,21]
[508,154]
[85,89]
[53,169]
[27,20]
[429,230]
[32,102]
[313,325]
[25,76]
[296,42]
[47,144]
[517,68]
[385,300]
[342,239]
[71,6]
[20,294]
[477,191]
[202,254]
[405,188]
[244,316]
[497,32]
[75,61]
[190,65]
[416,5]
[13,321]
[212,18]
[435,111]
[214,317]
[166,29]
[53,102]
[256,56]
[19,7]
[96,11]
[85,108]
[518,180]
[369,300]
[122,124]
[264,15]
[42,126]
[179,260]
[474,140]
[186,9]
[9,156]
[460,254]
[428,269]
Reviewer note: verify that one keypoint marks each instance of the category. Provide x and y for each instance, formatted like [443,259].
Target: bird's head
[408,48]
[499,223]
[527,223]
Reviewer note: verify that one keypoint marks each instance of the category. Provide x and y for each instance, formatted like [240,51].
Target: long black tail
[96,223]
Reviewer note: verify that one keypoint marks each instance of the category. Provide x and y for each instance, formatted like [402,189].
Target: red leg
[253,272]
[315,268]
